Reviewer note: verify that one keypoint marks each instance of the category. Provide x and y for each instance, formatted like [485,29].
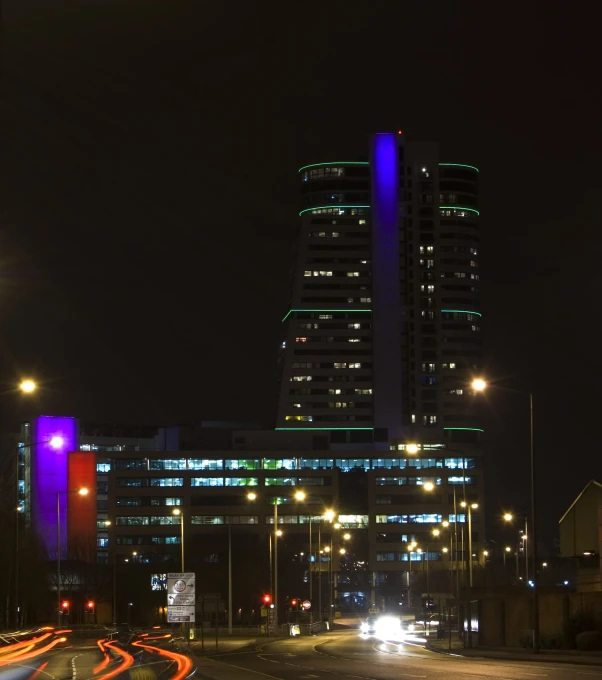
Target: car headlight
[364,627]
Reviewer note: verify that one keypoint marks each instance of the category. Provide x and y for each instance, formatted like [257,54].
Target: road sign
[374,610]
[180,598]
[306,604]
[180,614]
[180,588]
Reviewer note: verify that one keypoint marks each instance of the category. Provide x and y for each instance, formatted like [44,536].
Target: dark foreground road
[350,655]
[48,655]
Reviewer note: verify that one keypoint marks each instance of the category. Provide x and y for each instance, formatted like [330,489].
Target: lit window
[300,339]
[365,299]
[355,365]
[354,339]
[307,273]
[340,364]
[429,420]
[353,273]
[324,316]
[361,222]
[297,405]
[413,417]
[334,391]
[355,326]
[307,419]
[301,378]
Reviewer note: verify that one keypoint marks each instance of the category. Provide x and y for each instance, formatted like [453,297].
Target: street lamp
[471,507]
[509,517]
[299,496]
[480,385]
[411,448]
[180,513]
[82,492]
[27,386]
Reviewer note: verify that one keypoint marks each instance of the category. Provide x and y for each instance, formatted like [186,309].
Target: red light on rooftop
[400,132]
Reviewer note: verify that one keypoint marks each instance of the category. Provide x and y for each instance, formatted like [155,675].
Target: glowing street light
[429,486]
[412,448]
[252,496]
[508,517]
[479,385]
[27,386]
[56,442]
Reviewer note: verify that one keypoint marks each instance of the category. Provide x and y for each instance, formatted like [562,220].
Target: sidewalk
[224,645]
[516,653]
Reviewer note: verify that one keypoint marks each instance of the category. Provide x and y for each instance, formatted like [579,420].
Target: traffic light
[65,607]
[267,599]
[294,603]
[90,606]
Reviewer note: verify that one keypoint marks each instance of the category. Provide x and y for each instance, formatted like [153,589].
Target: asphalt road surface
[350,655]
[48,656]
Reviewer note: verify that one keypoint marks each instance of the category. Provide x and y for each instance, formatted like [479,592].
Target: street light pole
[275,562]
[230,576]
[534,532]
[58,558]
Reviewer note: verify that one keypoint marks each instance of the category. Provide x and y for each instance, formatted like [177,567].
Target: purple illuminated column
[386,300]
[52,439]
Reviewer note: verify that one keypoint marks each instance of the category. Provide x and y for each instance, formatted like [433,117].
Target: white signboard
[180,614]
[180,598]
[181,583]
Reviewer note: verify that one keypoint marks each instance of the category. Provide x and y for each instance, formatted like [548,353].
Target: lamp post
[471,507]
[480,385]
[299,496]
[180,513]
[81,492]
[26,386]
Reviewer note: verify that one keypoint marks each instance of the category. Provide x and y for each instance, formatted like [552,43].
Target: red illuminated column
[82,511]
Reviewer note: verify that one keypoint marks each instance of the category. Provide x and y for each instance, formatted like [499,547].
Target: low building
[581,535]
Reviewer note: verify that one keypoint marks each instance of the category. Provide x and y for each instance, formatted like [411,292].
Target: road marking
[73,669]
[248,670]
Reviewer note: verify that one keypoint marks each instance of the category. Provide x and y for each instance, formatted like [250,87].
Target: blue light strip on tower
[458,207]
[325,311]
[459,165]
[318,165]
[324,428]
[461,311]
[322,207]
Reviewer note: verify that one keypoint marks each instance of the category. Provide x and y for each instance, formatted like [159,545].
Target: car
[369,625]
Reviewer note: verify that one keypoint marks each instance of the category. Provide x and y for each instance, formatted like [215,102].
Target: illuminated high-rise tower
[382,336]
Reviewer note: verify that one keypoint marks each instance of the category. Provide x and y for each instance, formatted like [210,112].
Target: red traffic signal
[293,603]
[267,599]
[90,606]
[65,604]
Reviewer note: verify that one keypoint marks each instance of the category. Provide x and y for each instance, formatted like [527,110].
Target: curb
[484,655]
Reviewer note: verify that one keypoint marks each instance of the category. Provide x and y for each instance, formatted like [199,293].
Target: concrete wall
[502,617]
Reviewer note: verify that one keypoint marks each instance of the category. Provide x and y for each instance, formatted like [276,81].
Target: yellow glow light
[479,385]
[412,448]
[27,386]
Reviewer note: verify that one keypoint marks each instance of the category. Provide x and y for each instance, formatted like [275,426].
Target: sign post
[181,596]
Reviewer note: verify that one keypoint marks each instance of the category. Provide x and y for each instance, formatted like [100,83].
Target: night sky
[148,200]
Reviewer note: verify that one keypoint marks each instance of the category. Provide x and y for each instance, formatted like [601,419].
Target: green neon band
[324,428]
[460,165]
[321,207]
[461,311]
[317,165]
[472,429]
[324,310]
[458,207]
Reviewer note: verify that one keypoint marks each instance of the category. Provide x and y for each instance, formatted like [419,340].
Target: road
[351,655]
[47,654]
